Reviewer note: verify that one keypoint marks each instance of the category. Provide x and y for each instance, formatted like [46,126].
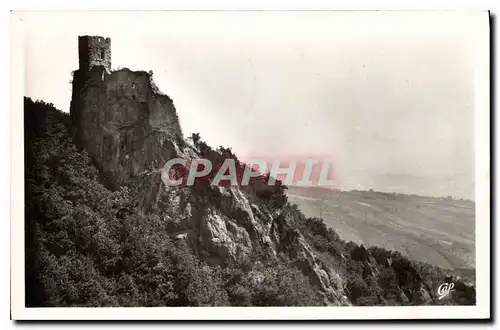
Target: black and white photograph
[177,164]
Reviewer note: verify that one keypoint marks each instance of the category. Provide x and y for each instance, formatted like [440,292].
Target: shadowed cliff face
[122,122]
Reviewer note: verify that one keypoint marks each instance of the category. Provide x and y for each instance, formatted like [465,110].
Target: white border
[252,313]
[482,169]
[481,310]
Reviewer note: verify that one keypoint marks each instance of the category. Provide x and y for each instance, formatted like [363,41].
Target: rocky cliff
[123,122]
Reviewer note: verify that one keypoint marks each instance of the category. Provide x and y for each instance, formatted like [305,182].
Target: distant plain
[440,231]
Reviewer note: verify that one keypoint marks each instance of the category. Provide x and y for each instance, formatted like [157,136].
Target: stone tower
[94,51]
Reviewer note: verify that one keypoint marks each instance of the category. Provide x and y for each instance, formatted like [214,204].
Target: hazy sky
[388,97]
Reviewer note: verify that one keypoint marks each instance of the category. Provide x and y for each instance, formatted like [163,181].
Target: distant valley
[440,231]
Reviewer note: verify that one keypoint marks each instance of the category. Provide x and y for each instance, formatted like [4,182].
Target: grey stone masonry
[94,51]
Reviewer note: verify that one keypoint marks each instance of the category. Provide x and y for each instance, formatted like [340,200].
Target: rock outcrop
[123,123]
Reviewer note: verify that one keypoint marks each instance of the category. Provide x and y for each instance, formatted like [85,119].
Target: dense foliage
[87,245]
[376,276]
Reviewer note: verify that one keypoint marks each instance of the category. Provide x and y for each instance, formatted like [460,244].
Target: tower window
[102,54]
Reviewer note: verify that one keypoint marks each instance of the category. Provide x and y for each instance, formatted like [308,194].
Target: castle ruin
[119,117]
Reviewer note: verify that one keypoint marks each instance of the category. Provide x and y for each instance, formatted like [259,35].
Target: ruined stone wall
[122,123]
[94,51]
